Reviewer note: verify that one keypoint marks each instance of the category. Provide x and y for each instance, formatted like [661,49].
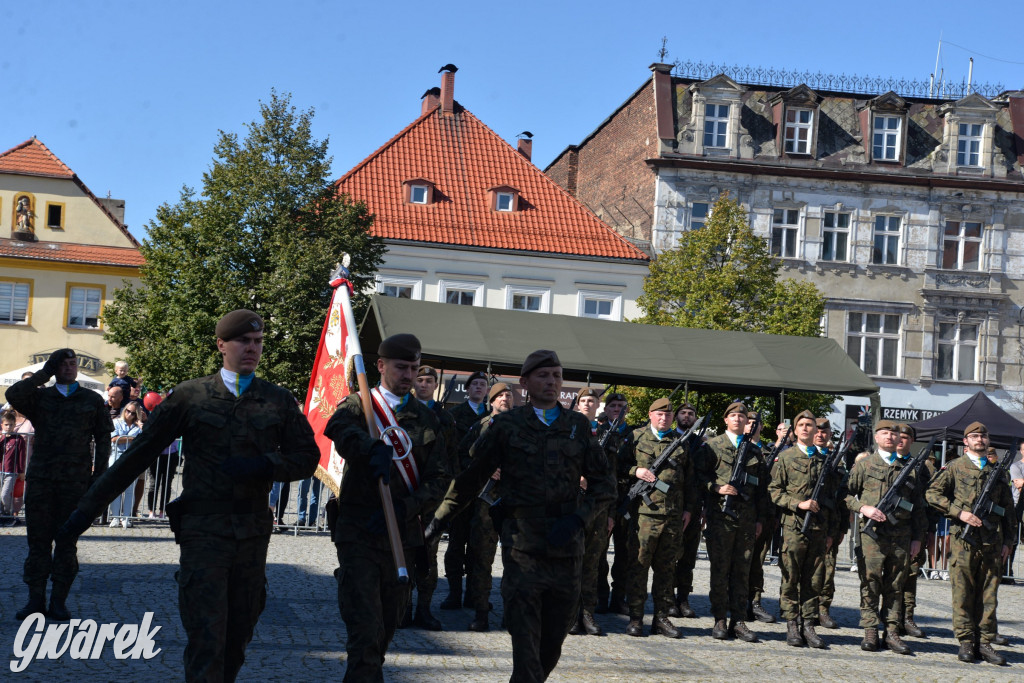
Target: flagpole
[340,280]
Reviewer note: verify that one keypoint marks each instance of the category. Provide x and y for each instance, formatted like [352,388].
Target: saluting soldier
[883,562]
[686,417]
[370,596]
[542,450]
[839,526]
[466,414]
[803,554]
[660,523]
[730,539]
[483,539]
[240,433]
[974,570]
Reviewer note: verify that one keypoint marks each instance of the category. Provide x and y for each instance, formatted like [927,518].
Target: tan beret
[885,424]
[426,371]
[823,423]
[805,415]
[497,390]
[238,322]
[661,404]
[753,416]
[735,407]
[976,428]
[904,428]
[540,359]
[400,347]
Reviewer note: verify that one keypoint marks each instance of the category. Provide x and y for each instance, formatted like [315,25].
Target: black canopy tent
[1003,428]
[468,338]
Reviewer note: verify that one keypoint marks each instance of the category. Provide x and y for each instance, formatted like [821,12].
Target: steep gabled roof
[66,252]
[464,159]
[32,157]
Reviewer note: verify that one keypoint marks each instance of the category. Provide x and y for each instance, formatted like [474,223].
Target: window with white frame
[835,236]
[968,144]
[699,213]
[958,351]
[961,245]
[461,293]
[873,342]
[400,287]
[14,298]
[603,305]
[886,137]
[798,131]
[530,299]
[503,201]
[716,125]
[419,194]
[84,307]
[886,240]
[785,227]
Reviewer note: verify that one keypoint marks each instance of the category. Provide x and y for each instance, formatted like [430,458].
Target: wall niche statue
[24,218]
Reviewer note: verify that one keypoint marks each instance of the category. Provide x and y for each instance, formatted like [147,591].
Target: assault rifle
[837,456]
[643,489]
[739,477]
[772,456]
[893,498]
[985,507]
[439,405]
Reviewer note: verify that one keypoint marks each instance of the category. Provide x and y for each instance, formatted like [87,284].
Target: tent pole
[782,405]
[943,463]
[686,392]
[440,384]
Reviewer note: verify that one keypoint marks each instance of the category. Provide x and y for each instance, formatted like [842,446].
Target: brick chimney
[525,147]
[448,92]
[431,98]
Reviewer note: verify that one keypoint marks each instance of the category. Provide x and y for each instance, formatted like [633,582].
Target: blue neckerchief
[810,450]
[661,434]
[67,389]
[478,408]
[403,402]
[236,383]
[593,425]
[430,403]
[622,427]
[736,440]
[823,451]
[889,458]
[548,415]
[979,463]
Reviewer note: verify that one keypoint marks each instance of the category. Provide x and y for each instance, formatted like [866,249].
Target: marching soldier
[659,524]
[370,596]
[840,525]
[802,559]
[542,450]
[686,416]
[883,562]
[730,539]
[974,570]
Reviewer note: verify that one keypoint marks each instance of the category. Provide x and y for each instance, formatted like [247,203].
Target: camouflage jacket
[792,482]
[618,440]
[359,498]
[684,491]
[464,417]
[541,466]
[956,488]
[65,428]
[717,470]
[870,479]
[216,425]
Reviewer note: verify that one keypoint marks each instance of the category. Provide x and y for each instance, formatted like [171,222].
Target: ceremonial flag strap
[387,425]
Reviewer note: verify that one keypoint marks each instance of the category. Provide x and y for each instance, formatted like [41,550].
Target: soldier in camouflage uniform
[730,540]
[424,561]
[803,554]
[686,416]
[483,539]
[618,448]
[240,433]
[840,525]
[908,600]
[542,450]
[883,562]
[975,570]
[764,539]
[67,419]
[661,523]
[466,414]
[370,596]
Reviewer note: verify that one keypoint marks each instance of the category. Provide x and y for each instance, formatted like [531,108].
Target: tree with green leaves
[722,277]
[264,233]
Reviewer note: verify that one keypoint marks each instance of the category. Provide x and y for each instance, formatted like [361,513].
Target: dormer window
[798,131]
[418,194]
[883,125]
[504,199]
[795,113]
[969,135]
[418,191]
[716,125]
[886,136]
[968,144]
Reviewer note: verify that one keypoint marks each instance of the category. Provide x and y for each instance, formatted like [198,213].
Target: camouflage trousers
[424,568]
[659,542]
[221,594]
[909,600]
[730,544]
[455,563]
[761,545]
[883,571]
[974,575]
[595,547]
[828,585]
[483,543]
[371,601]
[622,539]
[688,556]
[541,595]
[802,562]
[48,503]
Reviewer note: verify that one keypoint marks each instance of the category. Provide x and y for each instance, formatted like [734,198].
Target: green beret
[885,424]
[400,347]
[976,428]
[686,404]
[426,371]
[479,374]
[238,322]
[906,429]
[615,396]
[662,404]
[588,391]
[805,415]
[497,390]
[735,407]
[823,423]
[540,359]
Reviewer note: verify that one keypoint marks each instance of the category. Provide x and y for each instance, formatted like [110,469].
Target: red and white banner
[387,425]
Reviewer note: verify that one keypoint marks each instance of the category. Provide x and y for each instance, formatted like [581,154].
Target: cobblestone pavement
[300,637]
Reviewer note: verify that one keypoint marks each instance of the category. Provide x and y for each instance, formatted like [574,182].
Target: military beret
[588,391]
[540,359]
[976,428]
[753,415]
[992,451]
[904,428]
[662,404]
[823,423]
[805,415]
[615,396]
[885,424]
[238,322]
[402,346]
[686,404]
[426,371]
[735,407]
[497,390]
[479,374]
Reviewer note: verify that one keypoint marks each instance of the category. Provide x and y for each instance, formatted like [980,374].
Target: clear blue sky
[131,95]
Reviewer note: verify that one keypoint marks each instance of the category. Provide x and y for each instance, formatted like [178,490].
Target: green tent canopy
[467,338]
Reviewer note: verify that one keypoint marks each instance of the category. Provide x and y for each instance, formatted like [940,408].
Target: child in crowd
[122,379]
[12,467]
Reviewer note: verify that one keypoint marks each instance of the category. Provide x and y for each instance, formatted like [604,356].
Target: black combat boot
[895,643]
[966,653]
[635,627]
[617,604]
[663,627]
[825,619]
[454,598]
[743,632]
[577,627]
[761,614]
[480,622]
[989,655]
[812,637]
[719,631]
[684,606]
[673,611]
[870,642]
[36,603]
[793,636]
[998,639]
[590,625]
[425,619]
[58,594]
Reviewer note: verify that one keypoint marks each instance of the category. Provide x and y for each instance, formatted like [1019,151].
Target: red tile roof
[32,157]
[464,159]
[65,252]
